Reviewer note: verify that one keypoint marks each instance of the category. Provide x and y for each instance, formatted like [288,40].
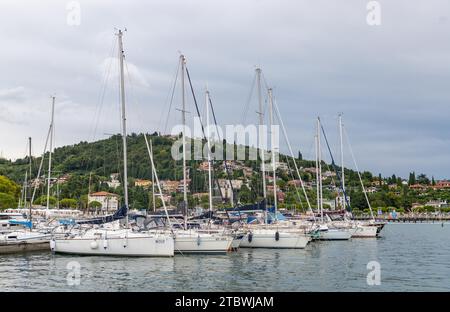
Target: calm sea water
[412,257]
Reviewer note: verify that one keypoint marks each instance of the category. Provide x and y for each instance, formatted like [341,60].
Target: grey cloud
[320,56]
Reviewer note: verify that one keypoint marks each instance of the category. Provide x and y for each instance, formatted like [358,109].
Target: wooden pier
[409,219]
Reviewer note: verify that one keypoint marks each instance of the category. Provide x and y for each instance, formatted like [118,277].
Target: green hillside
[90,165]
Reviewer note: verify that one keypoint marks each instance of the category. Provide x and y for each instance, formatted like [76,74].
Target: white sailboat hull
[202,244]
[23,241]
[237,239]
[267,239]
[365,231]
[195,242]
[335,234]
[116,243]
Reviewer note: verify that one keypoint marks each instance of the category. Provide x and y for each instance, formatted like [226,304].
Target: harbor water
[411,257]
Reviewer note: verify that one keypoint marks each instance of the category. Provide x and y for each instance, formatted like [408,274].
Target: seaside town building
[109,201]
[443,184]
[143,183]
[225,187]
[114,182]
[437,203]
[169,186]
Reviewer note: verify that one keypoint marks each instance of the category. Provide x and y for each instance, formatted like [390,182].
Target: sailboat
[361,229]
[117,239]
[190,240]
[274,235]
[23,237]
[327,231]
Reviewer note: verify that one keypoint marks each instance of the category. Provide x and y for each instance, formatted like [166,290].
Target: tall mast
[183,114]
[261,123]
[57,194]
[24,192]
[316,145]
[272,139]
[342,160]
[89,194]
[29,155]
[260,135]
[320,168]
[209,150]
[153,179]
[124,125]
[23,195]
[52,129]
[31,167]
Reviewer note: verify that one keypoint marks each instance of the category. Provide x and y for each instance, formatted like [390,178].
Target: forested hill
[101,158]
[87,167]
[104,157]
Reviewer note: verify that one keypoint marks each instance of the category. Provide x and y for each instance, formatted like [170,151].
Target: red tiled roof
[103,193]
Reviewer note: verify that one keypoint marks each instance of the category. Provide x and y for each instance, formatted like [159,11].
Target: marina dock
[410,219]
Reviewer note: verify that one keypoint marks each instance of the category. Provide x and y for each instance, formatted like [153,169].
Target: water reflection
[412,257]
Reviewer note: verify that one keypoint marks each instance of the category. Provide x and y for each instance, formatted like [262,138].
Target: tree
[8,186]
[204,201]
[423,179]
[42,200]
[68,203]
[7,201]
[378,203]
[245,195]
[412,178]
[406,201]
[433,182]
[300,156]
[95,204]
[84,201]
[9,193]
[358,201]
[393,179]
[139,198]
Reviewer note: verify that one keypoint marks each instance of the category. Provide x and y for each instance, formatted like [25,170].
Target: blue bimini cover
[27,223]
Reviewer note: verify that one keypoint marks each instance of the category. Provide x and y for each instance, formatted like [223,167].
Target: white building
[437,203]
[114,183]
[371,189]
[328,174]
[225,187]
[109,201]
[282,166]
[330,203]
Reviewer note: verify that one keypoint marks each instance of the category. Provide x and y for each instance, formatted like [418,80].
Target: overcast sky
[391,81]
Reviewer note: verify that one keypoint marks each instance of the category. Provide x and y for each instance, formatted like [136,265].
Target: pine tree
[393,179]
[412,178]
